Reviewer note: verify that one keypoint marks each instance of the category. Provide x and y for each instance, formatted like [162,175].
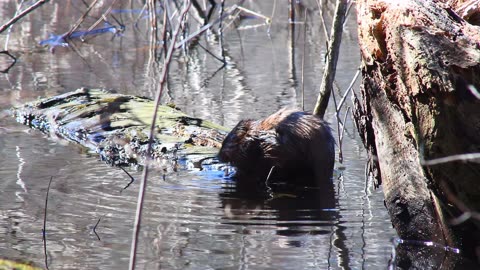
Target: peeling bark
[419,59]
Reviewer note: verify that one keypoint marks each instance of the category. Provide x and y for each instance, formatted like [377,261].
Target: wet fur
[295,142]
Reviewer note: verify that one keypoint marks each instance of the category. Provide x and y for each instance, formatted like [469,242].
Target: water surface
[192,219]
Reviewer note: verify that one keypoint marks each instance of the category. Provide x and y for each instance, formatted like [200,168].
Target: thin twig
[248,11]
[153,19]
[467,212]
[272,16]
[206,27]
[339,133]
[143,183]
[344,121]
[164,30]
[291,11]
[220,32]
[10,28]
[102,18]
[81,19]
[324,26]
[339,106]
[140,15]
[340,136]
[269,189]
[22,14]
[398,241]
[474,91]
[348,12]
[45,225]
[461,157]
[303,59]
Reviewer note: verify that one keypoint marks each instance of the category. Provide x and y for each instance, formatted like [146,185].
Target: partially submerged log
[116,126]
[420,65]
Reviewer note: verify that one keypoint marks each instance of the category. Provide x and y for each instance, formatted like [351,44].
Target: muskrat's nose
[222,156]
[227,153]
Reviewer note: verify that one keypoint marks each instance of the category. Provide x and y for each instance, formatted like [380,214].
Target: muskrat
[294,143]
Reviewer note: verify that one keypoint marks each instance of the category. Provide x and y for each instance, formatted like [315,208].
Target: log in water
[116,126]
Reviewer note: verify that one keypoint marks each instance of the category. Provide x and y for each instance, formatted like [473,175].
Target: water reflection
[194,219]
[293,210]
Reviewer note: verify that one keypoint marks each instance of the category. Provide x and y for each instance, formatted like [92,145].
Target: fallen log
[421,68]
[116,127]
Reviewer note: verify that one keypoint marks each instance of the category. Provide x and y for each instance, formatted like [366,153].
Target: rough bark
[419,59]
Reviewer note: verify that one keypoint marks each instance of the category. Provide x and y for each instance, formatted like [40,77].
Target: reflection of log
[117,126]
[419,59]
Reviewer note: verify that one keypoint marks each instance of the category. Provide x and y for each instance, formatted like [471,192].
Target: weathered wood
[116,126]
[419,59]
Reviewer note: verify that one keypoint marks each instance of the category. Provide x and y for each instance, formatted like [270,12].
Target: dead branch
[22,14]
[332,58]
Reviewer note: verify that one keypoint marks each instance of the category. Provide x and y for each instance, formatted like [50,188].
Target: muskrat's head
[238,145]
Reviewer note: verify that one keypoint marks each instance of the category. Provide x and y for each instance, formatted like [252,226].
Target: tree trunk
[420,67]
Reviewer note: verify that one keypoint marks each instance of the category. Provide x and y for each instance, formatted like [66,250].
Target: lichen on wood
[116,126]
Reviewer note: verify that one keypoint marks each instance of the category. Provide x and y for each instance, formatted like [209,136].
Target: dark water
[192,219]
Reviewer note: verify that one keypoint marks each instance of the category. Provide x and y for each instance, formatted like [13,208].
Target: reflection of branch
[22,14]
[398,241]
[104,17]
[206,27]
[12,64]
[131,179]
[94,229]
[45,224]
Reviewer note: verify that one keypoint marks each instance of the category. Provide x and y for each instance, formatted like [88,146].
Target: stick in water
[143,183]
[45,224]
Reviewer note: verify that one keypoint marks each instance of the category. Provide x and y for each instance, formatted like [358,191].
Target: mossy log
[117,126]
[420,67]
[8,264]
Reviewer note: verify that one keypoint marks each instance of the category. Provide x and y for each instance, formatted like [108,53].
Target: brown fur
[295,142]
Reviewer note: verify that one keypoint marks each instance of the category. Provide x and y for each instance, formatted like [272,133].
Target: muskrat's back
[294,142]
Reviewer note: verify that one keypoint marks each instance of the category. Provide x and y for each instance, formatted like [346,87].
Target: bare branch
[461,157]
[22,14]
[143,183]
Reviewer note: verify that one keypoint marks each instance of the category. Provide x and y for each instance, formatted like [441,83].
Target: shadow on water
[293,210]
